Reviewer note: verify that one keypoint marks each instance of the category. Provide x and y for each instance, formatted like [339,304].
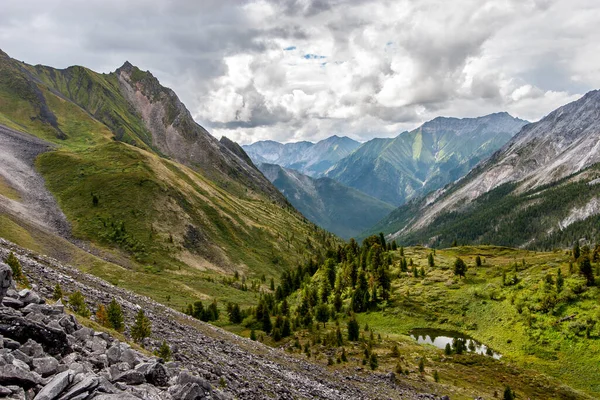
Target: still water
[440,338]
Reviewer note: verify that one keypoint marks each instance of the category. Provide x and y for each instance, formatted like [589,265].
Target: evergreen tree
[164,351]
[322,313]
[102,316]
[286,328]
[585,269]
[272,285]
[401,251]
[115,316]
[576,251]
[17,271]
[235,314]
[460,268]
[508,394]
[353,329]
[77,304]
[382,240]
[58,294]
[478,261]
[430,260]
[394,246]
[142,327]
[337,302]
[266,322]
[373,363]
[559,281]
[448,349]
[343,357]
[422,365]
[253,335]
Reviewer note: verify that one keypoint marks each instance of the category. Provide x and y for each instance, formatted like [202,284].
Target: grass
[8,191]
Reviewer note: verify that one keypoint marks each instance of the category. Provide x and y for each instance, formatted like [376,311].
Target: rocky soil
[36,205]
[48,355]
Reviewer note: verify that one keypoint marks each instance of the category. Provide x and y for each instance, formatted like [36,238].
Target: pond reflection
[457,342]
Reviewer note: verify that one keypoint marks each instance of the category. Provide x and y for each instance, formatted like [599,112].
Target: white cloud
[304,70]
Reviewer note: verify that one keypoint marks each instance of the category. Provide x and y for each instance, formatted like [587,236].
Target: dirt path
[36,205]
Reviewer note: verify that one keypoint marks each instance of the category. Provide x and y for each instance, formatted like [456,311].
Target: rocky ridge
[67,361]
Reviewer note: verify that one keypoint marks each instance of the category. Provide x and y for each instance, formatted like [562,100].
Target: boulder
[16,327]
[55,386]
[189,391]
[131,377]
[89,383]
[13,375]
[28,296]
[45,366]
[157,375]
[5,279]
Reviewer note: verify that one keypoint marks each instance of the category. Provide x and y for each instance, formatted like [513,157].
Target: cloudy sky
[308,69]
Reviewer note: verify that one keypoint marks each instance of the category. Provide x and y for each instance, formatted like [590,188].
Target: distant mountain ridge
[425,159]
[329,204]
[311,159]
[537,190]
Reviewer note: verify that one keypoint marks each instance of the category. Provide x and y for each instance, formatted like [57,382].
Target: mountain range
[312,159]
[337,208]
[115,164]
[540,190]
[425,159]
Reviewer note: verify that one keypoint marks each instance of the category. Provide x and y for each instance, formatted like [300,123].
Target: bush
[17,271]
[164,351]
[141,328]
[77,304]
[115,316]
[58,294]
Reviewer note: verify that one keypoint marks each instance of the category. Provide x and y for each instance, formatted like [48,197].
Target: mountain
[329,204]
[540,190]
[115,164]
[425,159]
[311,159]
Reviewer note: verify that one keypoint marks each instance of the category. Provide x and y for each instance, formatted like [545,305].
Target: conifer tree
[253,335]
[77,304]
[430,260]
[267,325]
[115,316]
[102,316]
[508,394]
[478,261]
[353,329]
[460,268]
[164,351]
[58,294]
[559,281]
[576,251]
[142,327]
[17,271]
[585,269]
[322,313]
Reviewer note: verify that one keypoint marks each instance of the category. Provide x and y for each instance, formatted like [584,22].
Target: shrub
[77,304]
[142,327]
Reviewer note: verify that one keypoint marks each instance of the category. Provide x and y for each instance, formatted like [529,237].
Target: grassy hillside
[551,216]
[546,332]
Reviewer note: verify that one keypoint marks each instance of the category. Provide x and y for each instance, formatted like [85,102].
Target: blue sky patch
[313,57]
[290,48]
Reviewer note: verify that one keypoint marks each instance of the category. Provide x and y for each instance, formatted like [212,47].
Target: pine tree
[286,329]
[373,363]
[253,335]
[77,304]
[430,260]
[401,251]
[460,268]
[576,251]
[115,316]
[560,282]
[235,315]
[478,261]
[585,269]
[142,327]
[422,365]
[102,316]
[267,325]
[343,357]
[353,329]
[17,271]
[322,314]
[58,294]
[436,376]
[508,394]
[164,351]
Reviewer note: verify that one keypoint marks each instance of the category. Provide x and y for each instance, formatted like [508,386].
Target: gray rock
[12,303]
[157,375]
[18,363]
[89,383]
[114,354]
[55,386]
[28,296]
[131,377]
[5,279]
[185,378]
[130,357]
[32,348]
[10,344]
[189,391]
[4,391]
[118,396]
[83,334]
[19,355]
[45,365]
[13,375]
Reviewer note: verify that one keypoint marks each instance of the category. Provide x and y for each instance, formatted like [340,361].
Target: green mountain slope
[539,191]
[141,183]
[329,204]
[417,162]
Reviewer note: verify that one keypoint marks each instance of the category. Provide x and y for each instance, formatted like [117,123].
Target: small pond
[440,338]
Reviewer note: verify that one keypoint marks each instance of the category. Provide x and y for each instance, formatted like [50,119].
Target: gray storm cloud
[305,70]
